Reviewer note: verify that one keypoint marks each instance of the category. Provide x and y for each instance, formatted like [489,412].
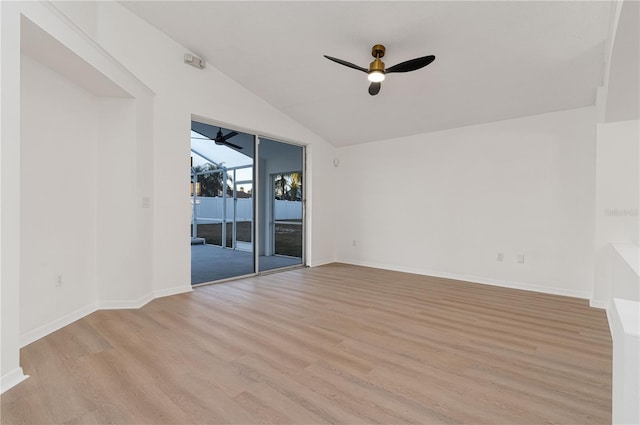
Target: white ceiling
[623,96]
[495,60]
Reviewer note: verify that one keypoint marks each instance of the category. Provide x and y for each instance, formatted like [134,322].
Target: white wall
[617,198]
[58,196]
[320,209]
[123,256]
[617,282]
[10,371]
[522,186]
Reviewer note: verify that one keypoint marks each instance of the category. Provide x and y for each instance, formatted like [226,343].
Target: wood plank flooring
[335,344]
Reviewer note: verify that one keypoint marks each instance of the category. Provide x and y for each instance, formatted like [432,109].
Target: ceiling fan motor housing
[376,66]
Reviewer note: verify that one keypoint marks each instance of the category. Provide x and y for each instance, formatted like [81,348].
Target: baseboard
[172,291]
[11,379]
[322,262]
[598,304]
[125,304]
[60,323]
[476,279]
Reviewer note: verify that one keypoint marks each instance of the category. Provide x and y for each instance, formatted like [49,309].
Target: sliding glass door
[247,201]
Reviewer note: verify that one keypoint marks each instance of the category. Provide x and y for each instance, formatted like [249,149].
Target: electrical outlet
[59,281]
[521,258]
[499,256]
[353,243]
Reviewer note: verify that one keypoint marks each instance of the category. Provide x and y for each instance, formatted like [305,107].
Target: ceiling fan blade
[411,65]
[230,135]
[345,63]
[231,145]
[374,88]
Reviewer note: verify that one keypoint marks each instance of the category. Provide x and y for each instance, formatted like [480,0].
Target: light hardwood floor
[333,344]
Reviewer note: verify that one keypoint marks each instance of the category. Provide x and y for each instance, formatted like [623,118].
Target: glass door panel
[281,210]
[222,243]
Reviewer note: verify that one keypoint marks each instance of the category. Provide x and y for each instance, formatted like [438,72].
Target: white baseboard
[172,291]
[44,330]
[125,304]
[476,279]
[603,304]
[11,379]
[322,262]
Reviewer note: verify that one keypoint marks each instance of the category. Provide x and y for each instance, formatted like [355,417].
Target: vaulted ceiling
[495,60]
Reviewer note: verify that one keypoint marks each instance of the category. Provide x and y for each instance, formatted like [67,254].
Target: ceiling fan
[377,70]
[222,139]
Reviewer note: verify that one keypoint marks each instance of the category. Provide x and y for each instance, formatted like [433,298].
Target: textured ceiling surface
[495,60]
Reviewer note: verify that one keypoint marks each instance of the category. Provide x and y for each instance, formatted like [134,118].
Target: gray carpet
[210,263]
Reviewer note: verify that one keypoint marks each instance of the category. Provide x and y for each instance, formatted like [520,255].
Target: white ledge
[628,313]
[630,253]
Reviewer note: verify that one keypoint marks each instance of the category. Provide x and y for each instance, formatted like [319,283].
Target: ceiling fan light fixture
[377,69]
[376,76]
